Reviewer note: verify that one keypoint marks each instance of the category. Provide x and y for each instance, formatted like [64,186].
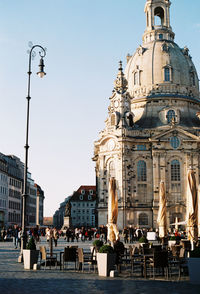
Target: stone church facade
[152,132]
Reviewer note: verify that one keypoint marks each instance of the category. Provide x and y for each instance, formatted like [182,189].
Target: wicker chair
[159,261]
[89,259]
[70,255]
[47,259]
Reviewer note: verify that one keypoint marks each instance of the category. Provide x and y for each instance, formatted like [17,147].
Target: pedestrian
[48,234]
[15,236]
[55,236]
[19,237]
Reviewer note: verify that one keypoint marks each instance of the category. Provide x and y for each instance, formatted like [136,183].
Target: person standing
[15,236]
[19,237]
[55,236]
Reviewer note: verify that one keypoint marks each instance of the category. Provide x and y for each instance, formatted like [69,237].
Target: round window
[175,142]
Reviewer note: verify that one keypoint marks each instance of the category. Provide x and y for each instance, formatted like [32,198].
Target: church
[152,131]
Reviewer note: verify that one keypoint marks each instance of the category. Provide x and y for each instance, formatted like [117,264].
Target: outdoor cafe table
[86,252]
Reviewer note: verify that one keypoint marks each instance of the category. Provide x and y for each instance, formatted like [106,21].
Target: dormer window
[136,78]
[171,116]
[167,73]
[89,197]
[136,74]
[91,192]
[81,197]
[83,192]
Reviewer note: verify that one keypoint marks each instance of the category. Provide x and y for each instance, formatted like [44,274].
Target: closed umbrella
[162,212]
[192,208]
[113,233]
[198,211]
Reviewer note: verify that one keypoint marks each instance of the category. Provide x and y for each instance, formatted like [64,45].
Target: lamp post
[41,74]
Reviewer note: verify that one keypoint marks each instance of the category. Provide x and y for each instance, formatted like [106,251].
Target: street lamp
[41,74]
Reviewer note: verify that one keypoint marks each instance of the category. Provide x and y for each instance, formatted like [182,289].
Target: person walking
[15,236]
[55,236]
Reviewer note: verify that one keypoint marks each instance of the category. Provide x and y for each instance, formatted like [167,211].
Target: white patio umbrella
[113,233]
[198,195]
[162,212]
[192,208]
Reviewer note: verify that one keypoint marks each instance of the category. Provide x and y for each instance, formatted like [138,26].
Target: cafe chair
[86,259]
[69,255]
[47,259]
[159,261]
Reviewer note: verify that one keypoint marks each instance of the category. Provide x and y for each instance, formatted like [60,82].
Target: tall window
[167,74]
[175,181]
[171,115]
[141,171]
[143,219]
[175,171]
[136,78]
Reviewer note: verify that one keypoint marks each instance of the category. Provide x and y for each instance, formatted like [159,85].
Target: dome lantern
[157,21]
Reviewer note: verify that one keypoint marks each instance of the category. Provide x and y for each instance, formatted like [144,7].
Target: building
[3,192]
[83,207]
[152,131]
[58,217]
[48,221]
[11,189]
[15,183]
[39,205]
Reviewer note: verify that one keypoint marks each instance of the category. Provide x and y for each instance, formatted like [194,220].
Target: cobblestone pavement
[14,279]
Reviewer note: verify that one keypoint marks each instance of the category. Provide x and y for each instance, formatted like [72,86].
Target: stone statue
[68,209]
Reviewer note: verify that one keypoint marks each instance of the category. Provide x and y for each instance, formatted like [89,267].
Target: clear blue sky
[85,40]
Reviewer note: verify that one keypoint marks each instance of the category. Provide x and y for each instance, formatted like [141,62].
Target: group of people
[12,232]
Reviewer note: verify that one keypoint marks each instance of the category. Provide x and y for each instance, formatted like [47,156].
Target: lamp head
[41,72]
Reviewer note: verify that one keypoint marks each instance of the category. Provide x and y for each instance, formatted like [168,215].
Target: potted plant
[172,241]
[30,254]
[194,265]
[143,240]
[97,244]
[106,260]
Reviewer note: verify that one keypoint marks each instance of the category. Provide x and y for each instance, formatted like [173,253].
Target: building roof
[84,191]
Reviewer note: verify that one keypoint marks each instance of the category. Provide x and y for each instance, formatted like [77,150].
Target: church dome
[160,66]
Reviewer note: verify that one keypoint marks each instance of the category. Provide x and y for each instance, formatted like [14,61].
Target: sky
[85,40]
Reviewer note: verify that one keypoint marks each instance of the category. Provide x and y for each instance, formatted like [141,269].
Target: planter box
[194,266]
[30,258]
[105,263]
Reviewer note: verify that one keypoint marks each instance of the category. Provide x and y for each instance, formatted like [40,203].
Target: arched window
[159,16]
[175,171]
[141,171]
[112,119]
[167,74]
[136,78]
[147,19]
[143,219]
[171,115]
